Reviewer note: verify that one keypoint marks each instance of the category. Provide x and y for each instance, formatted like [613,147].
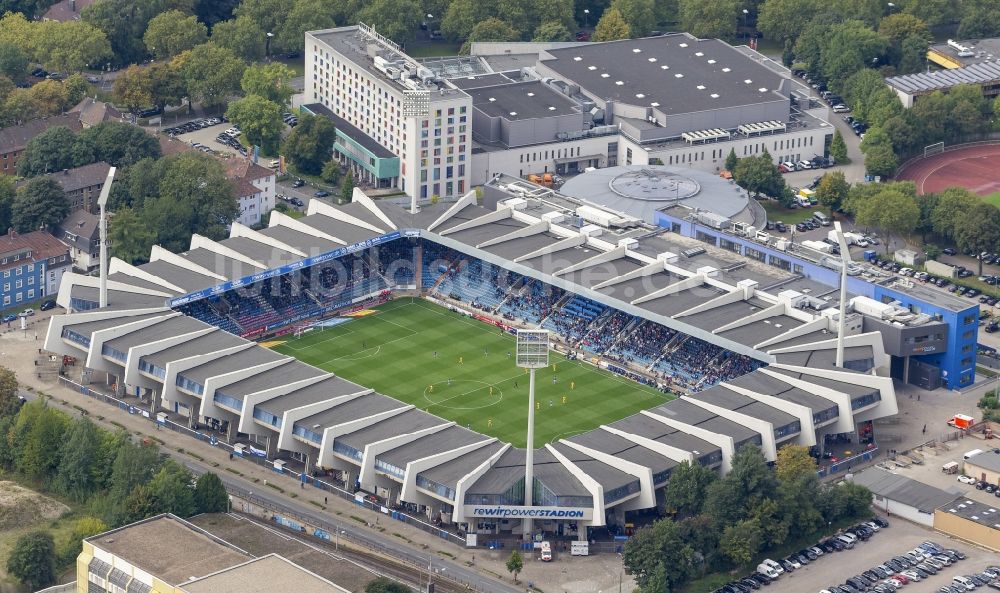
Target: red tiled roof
[42,246]
[64,10]
[244,188]
[246,169]
[16,138]
[170,146]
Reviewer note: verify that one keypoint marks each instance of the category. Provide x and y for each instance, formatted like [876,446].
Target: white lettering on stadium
[529,513]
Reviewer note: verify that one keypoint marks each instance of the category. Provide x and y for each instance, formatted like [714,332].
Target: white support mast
[102,202]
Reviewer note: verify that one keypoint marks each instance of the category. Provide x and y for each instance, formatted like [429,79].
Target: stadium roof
[661,277]
[675,73]
[940,80]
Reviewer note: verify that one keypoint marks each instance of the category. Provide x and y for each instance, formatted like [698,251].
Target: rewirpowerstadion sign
[521,512]
[305,263]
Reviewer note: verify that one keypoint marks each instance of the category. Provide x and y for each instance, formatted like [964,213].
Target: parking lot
[202,135]
[900,537]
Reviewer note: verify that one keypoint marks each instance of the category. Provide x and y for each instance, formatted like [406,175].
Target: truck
[962,421]
[546,552]
[543,179]
[940,269]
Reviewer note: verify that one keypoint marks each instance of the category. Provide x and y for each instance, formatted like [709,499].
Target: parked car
[841,108]
[321,193]
[48,304]
[8,318]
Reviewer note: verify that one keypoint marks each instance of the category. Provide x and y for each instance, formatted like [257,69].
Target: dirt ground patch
[21,507]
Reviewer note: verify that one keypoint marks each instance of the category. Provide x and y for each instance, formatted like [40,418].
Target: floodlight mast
[532,353]
[102,202]
[845,261]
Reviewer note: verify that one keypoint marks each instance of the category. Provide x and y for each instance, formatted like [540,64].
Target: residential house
[255,189]
[93,112]
[14,139]
[80,232]
[32,265]
[82,185]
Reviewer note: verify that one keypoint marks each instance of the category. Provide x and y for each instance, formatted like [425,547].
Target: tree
[259,119]
[396,19]
[171,488]
[171,32]
[733,497]
[731,160]
[310,144]
[192,195]
[83,528]
[832,190]
[461,17]
[212,12]
[385,585]
[268,15]
[611,27]
[741,541]
[139,504]
[69,46]
[305,15]
[710,19]
[793,462]
[210,494]
[212,74]
[47,152]
[75,475]
[331,172]
[9,402]
[838,149]
[131,238]
[13,62]
[167,84]
[347,189]
[40,203]
[133,89]
[980,19]
[270,81]
[892,211]
[124,23]
[241,36]
[784,20]
[119,144]
[645,552]
[551,31]
[491,29]
[951,204]
[134,465]
[979,230]
[758,175]
[33,560]
[685,492]
[639,15]
[847,48]
[898,26]
[879,156]
[515,563]
[552,11]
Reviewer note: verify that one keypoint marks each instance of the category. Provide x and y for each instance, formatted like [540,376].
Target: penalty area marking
[484,385]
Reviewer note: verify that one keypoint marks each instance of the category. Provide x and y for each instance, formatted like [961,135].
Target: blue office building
[31,267]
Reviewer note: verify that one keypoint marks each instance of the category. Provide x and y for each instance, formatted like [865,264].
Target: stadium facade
[440,126]
[748,346]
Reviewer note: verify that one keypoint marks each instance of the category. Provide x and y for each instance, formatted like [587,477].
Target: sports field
[459,369]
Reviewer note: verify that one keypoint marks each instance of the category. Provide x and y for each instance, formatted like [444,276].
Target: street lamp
[746,20]
[891,5]
[586,17]
[267,45]
[430,27]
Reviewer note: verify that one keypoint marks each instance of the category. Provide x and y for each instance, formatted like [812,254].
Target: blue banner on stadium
[305,263]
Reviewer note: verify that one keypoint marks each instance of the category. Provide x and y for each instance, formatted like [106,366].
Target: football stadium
[369,343]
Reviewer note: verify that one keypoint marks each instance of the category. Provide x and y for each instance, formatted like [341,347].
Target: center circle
[654,185]
[443,394]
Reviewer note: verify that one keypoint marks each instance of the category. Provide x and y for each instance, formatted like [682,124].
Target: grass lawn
[297,65]
[993,198]
[776,212]
[458,368]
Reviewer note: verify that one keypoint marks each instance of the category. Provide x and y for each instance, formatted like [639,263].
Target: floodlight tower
[532,353]
[102,202]
[845,260]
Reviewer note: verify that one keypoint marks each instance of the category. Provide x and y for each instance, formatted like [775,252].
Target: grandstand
[752,367]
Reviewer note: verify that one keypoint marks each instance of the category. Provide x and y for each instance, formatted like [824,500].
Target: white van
[847,541]
[767,571]
[970,454]
[774,566]
[965,583]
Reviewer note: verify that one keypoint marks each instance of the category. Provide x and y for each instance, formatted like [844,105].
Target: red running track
[976,168]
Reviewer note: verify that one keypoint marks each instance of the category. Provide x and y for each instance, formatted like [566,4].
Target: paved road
[238,486]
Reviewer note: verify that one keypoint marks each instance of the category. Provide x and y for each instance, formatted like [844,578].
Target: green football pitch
[459,369]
